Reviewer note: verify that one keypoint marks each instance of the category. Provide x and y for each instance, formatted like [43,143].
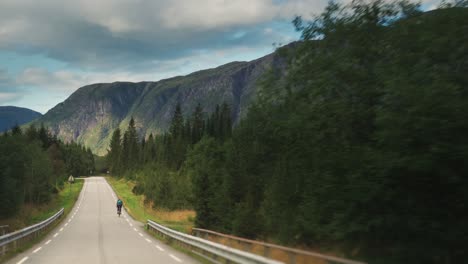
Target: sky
[50,48]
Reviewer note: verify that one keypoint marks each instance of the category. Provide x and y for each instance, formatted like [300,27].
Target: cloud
[99,35]
[8,92]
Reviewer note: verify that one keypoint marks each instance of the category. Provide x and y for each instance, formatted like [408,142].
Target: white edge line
[160,248]
[174,257]
[56,234]
[149,241]
[22,260]
[37,249]
[46,243]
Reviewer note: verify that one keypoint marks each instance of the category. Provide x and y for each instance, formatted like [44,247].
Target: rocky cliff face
[93,112]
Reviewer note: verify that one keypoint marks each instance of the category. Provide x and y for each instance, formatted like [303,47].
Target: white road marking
[135,229]
[37,249]
[140,234]
[174,257]
[47,243]
[149,241]
[130,224]
[160,248]
[56,234]
[61,229]
[22,260]
[65,225]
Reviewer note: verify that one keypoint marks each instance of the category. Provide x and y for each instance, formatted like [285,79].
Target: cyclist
[119,206]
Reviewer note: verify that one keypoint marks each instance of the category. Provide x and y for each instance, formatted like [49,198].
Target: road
[93,233]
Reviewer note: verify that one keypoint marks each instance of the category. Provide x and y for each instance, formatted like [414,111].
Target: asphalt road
[93,233]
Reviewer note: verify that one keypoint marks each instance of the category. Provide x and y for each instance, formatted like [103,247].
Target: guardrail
[13,240]
[215,252]
[285,254]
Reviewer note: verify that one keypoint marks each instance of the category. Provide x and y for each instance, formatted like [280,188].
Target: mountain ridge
[14,115]
[91,113]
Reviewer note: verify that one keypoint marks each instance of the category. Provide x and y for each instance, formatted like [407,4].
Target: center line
[22,260]
[130,224]
[160,248]
[149,241]
[174,257]
[135,229]
[56,234]
[61,229]
[37,249]
[47,243]
[140,234]
[66,224]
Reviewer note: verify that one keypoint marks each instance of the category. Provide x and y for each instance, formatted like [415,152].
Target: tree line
[35,165]
[358,148]
[157,162]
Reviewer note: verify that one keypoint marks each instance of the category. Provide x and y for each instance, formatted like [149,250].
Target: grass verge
[30,214]
[180,220]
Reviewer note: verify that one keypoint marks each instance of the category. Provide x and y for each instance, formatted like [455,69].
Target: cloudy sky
[49,48]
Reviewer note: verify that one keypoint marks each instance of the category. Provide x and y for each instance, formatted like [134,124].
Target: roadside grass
[30,214]
[180,220]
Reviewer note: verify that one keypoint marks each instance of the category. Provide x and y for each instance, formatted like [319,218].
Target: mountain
[93,112]
[12,115]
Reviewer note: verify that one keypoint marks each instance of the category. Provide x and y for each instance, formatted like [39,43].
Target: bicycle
[119,210]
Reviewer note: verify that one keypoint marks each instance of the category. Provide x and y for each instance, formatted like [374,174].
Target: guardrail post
[247,247]
[266,251]
[292,258]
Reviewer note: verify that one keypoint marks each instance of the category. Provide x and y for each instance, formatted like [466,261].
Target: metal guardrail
[213,251]
[281,253]
[34,230]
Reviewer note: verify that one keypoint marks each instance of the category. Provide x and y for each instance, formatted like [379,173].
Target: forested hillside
[92,113]
[34,165]
[359,149]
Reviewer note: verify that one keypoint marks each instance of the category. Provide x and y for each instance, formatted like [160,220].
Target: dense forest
[359,147]
[34,165]
[157,163]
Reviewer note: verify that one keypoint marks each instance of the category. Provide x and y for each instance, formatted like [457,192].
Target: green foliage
[34,166]
[360,146]
[158,162]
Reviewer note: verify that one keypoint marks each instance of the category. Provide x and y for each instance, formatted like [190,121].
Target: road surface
[93,233]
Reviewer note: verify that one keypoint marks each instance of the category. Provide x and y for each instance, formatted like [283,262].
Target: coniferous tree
[16,130]
[115,152]
[177,123]
[197,124]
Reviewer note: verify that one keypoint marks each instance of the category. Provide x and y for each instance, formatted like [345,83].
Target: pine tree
[115,152]
[197,124]
[131,146]
[177,123]
[16,130]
